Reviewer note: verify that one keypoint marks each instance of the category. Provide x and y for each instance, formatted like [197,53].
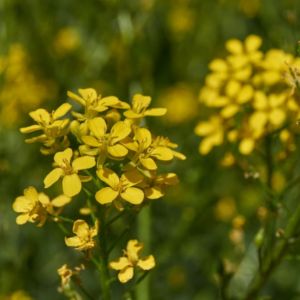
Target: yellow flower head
[102,143]
[84,236]
[65,274]
[140,109]
[68,168]
[131,259]
[247,97]
[123,187]
[148,150]
[51,126]
[93,103]
[35,207]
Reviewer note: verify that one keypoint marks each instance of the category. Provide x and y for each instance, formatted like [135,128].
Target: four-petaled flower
[140,109]
[71,182]
[84,236]
[120,187]
[147,150]
[93,104]
[51,126]
[102,143]
[126,264]
[34,207]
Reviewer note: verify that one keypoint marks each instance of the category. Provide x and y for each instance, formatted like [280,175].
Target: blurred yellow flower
[66,274]
[131,259]
[248,97]
[21,87]
[68,168]
[66,40]
[84,236]
[180,102]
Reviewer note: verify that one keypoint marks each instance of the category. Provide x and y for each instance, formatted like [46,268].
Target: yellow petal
[252,43]
[140,102]
[76,98]
[234,46]
[106,195]
[143,136]
[162,153]
[155,112]
[126,274]
[43,199]
[117,150]
[258,120]
[245,94]
[31,193]
[132,115]
[133,195]
[246,146]
[120,264]
[22,219]
[133,249]
[88,94]
[60,157]
[62,110]
[148,163]
[218,65]
[61,201]
[232,88]
[229,111]
[40,116]
[277,117]
[90,141]
[153,193]
[146,263]
[83,163]
[73,241]
[119,131]
[71,185]
[22,204]
[108,176]
[98,127]
[30,129]
[81,229]
[52,177]
[132,177]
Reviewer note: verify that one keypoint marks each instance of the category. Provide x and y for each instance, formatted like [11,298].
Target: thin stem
[274,258]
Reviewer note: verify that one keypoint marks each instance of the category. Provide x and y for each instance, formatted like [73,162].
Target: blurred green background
[159,48]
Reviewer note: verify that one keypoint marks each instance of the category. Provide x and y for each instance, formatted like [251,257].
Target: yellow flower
[148,150]
[213,133]
[66,274]
[51,126]
[34,207]
[120,187]
[93,104]
[155,185]
[68,169]
[140,109]
[66,40]
[83,239]
[131,259]
[101,143]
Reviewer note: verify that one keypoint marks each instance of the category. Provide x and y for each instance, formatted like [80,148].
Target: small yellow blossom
[102,143]
[34,207]
[84,236]
[51,126]
[123,187]
[66,274]
[147,150]
[68,169]
[140,109]
[66,40]
[131,259]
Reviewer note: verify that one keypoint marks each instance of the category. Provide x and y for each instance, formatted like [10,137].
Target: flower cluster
[104,151]
[249,98]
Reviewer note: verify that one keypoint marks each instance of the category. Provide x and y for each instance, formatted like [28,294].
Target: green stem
[273,259]
[144,233]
